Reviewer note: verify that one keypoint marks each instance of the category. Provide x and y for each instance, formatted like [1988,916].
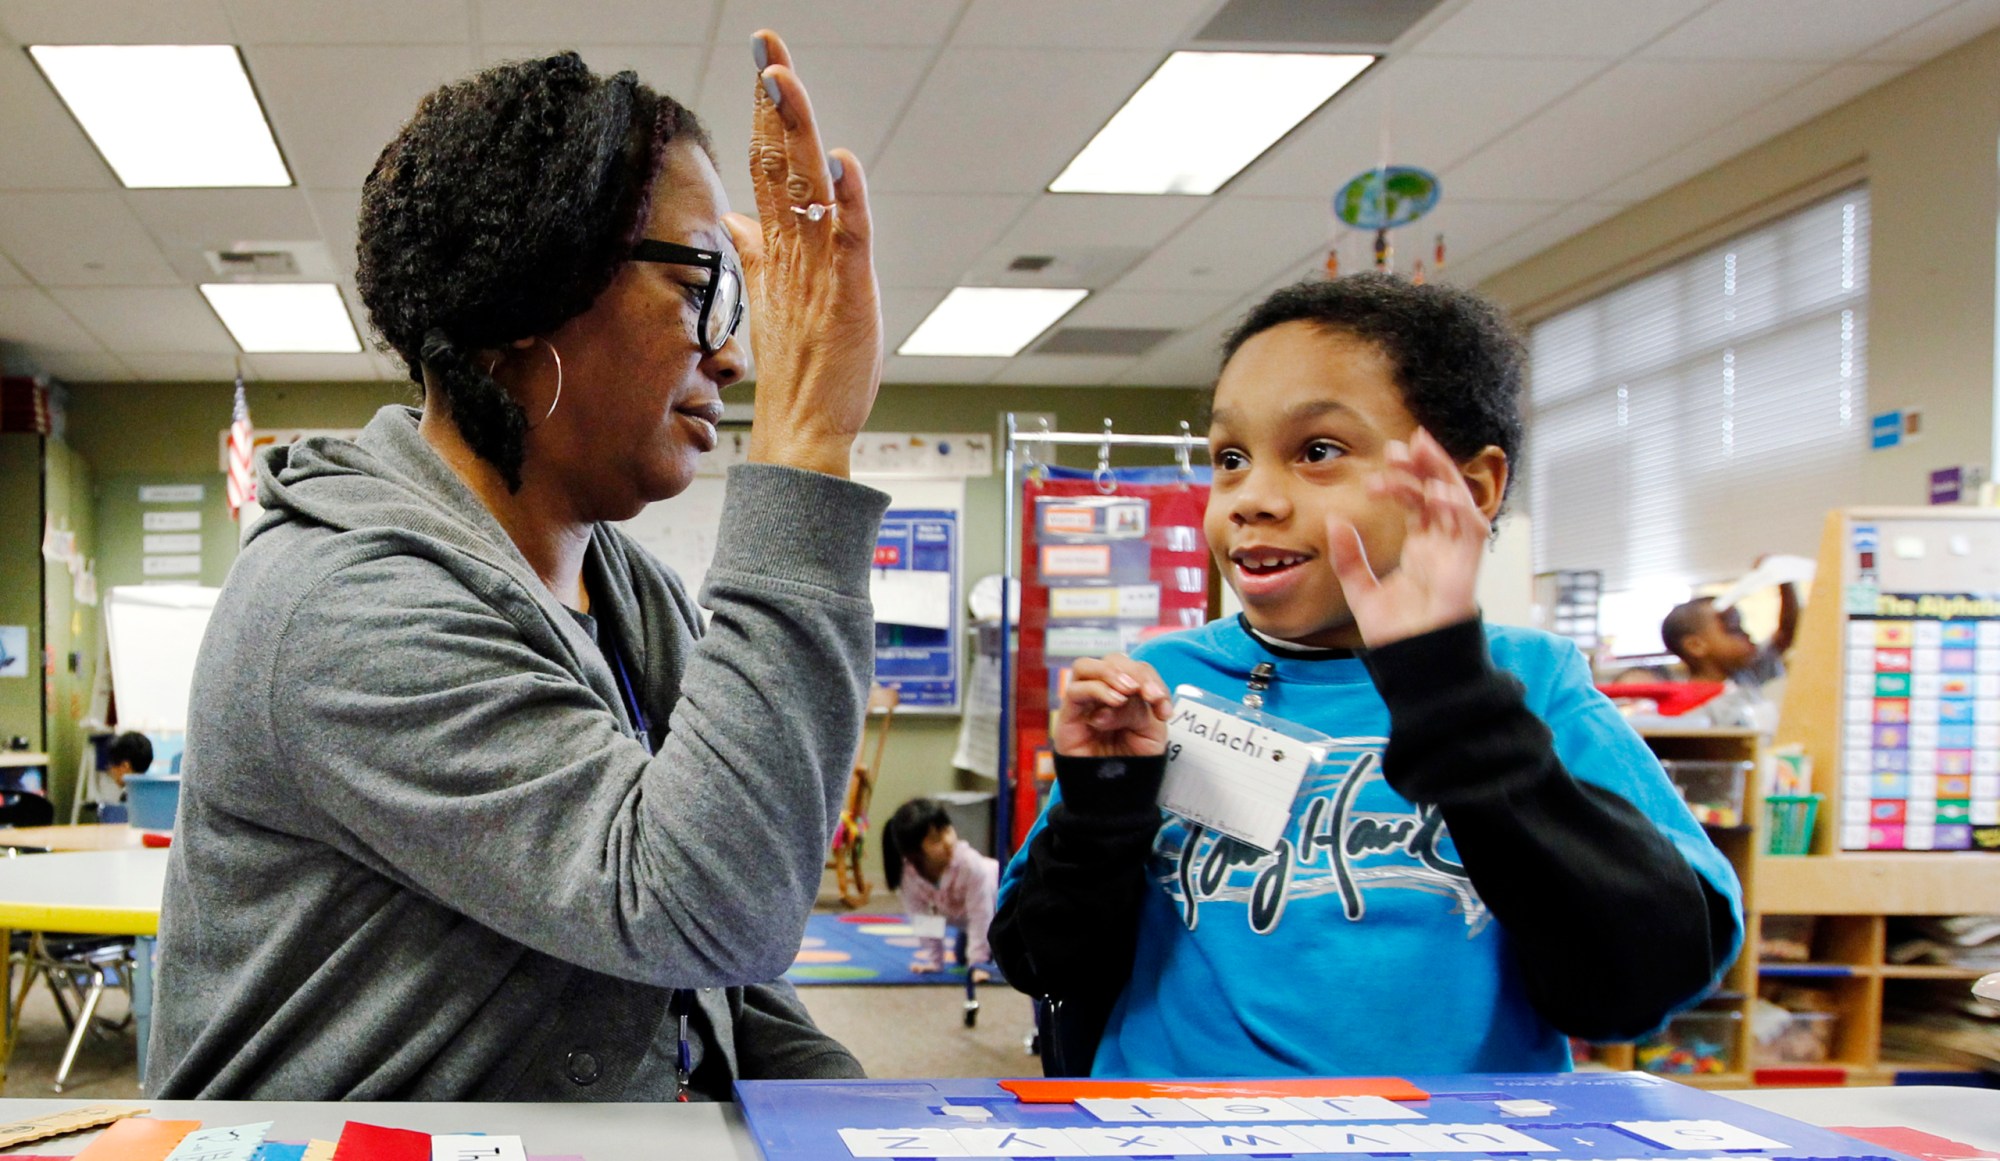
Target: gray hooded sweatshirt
[422,854]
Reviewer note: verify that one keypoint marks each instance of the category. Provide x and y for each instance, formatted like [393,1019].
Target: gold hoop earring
[559,382]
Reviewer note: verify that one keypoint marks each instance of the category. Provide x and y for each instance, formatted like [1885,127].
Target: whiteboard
[155,632]
[682,531]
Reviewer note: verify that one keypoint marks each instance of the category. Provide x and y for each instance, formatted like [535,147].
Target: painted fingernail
[760,52]
[771,90]
[835,166]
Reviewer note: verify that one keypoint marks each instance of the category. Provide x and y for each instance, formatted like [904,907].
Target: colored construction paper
[1043,1092]
[138,1139]
[365,1142]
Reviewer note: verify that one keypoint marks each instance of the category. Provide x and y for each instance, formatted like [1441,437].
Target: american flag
[242,473]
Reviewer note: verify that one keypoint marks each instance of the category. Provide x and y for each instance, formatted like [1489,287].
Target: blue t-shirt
[1358,947]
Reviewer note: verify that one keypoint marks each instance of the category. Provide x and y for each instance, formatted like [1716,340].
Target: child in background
[125,755]
[1714,646]
[939,874]
[1488,860]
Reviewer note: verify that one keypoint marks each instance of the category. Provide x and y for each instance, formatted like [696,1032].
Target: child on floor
[1487,860]
[940,875]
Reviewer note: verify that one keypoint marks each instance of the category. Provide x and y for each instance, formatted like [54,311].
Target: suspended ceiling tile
[1830,89]
[349,21]
[162,320]
[115,22]
[933,239]
[596,22]
[316,368]
[925,369]
[29,317]
[1006,120]
[73,367]
[807,23]
[221,217]
[673,69]
[1235,245]
[1063,370]
[1190,359]
[1123,24]
[390,369]
[41,146]
[334,142]
[1056,223]
[10,274]
[1631,116]
[1939,34]
[1604,29]
[182,368]
[857,94]
[1563,225]
[337,212]
[1468,227]
[1810,30]
[1425,111]
[80,239]
[1125,308]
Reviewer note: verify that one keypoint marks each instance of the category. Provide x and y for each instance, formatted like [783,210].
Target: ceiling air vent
[253,263]
[1032,263]
[1103,341]
[1327,22]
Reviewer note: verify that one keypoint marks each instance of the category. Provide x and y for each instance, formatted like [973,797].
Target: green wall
[72,627]
[21,580]
[134,435]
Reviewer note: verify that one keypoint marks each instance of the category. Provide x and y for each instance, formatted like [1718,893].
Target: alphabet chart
[1574,1117]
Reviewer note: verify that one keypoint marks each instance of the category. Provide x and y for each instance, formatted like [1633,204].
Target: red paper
[137,1139]
[364,1142]
[1055,1092]
[1919,1144]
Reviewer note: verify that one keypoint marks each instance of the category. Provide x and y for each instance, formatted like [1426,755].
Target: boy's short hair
[1684,621]
[132,748]
[1456,358]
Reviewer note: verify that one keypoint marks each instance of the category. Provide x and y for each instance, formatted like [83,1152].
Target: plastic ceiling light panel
[1202,117]
[994,321]
[167,116]
[284,317]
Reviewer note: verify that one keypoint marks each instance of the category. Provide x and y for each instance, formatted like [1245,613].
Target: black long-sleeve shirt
[1609,924]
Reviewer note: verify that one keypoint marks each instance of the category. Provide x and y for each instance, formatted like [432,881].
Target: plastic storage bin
[1788,819]
[1782,1037]
[155,799]
[1697,1043]
[1712,790]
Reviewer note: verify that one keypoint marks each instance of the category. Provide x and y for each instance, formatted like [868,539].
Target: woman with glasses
[475,807]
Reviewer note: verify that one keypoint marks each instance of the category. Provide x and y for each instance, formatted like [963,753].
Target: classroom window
[1712,411]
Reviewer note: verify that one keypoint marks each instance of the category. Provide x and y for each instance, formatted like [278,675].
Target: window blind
[1707,413]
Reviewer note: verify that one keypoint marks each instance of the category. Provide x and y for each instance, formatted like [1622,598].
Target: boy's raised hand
[1444,535]
[1113,707]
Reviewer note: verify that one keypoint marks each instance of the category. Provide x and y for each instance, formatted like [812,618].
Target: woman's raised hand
[816,316]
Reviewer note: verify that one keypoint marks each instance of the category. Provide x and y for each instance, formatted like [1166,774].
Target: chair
[848,858]
[25,808]
[1067,1033]
[85,965]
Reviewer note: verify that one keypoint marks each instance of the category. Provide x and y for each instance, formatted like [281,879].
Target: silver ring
[814,211]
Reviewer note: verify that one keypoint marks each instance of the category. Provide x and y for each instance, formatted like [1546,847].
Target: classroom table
[716,1132]
[89,836]
[92,893]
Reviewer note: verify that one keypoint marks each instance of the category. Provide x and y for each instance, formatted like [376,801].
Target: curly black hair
[1456,358]
[502,210]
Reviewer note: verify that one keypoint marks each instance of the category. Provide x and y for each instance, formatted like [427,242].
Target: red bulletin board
[1100,572]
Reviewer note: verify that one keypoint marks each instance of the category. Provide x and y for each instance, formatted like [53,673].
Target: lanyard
[625,689]
[680,1005]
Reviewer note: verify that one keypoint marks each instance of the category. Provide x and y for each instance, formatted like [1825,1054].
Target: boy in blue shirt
[1489,860]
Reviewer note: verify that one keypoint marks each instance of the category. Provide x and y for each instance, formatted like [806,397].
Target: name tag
[927,926]
[1234,769]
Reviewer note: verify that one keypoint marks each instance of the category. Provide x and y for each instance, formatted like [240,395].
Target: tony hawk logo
[1333,847]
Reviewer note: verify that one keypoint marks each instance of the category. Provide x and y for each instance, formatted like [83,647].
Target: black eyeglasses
[721,299]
